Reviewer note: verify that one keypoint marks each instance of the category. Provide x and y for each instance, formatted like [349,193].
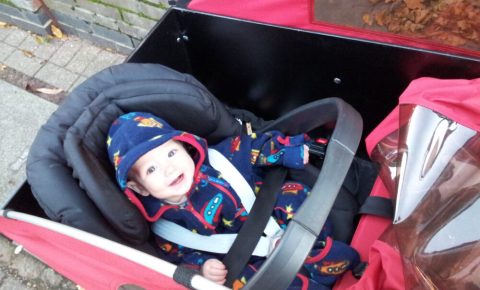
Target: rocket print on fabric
[239,283]
[148,122]
[272,159]
[235,145]
[213,208]
[333,268]
[254,155]
[292,188]
[117,159]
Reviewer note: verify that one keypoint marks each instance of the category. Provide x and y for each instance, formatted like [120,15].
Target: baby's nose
[170,169]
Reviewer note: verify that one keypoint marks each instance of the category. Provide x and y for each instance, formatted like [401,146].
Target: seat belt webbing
[249,235]
[236,180]
[219,243]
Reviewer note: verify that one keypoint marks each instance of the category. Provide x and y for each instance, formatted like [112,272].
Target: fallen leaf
[28,53]
[3,24]
[414,4]
[367,19]
[422,15]
[49,91]
[40,39]
[381,18]
[56,31]
[2,67]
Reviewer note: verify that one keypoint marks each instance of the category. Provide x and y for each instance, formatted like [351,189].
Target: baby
[166,173]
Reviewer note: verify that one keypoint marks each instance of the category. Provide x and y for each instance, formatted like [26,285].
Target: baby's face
[165,172]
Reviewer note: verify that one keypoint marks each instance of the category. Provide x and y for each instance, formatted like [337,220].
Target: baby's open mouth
[177,180]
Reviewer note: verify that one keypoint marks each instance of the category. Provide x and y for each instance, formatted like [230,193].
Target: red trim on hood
[190,139]
[187,138]
[134,199]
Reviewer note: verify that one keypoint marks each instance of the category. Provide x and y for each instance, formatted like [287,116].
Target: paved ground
[35,76]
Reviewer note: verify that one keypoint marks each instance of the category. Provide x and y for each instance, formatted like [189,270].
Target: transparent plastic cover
[431,167]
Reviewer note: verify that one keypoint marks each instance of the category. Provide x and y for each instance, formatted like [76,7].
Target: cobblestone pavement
[48,68]
[21,271]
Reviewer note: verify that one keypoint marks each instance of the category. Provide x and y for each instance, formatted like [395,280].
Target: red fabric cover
[384,270]
[458,99]
[384,263]
[370,227]
[299,14]
[86,265]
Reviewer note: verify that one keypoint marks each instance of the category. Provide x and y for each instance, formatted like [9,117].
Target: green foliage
[159,5]
[7,2]
[122,10]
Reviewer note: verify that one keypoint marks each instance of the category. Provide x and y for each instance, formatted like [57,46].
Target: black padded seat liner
[185,107]
[68,168]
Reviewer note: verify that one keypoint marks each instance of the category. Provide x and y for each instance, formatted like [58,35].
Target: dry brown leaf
[473,35]
[367,19]
[452,39]
[463,25]
[452,22]
[458,10]
[382,18]
[394,27]
[421,15]
[414,4]
[472,12]
[28,53]
[56,31]
[2,67]
[49,91]
[3,24]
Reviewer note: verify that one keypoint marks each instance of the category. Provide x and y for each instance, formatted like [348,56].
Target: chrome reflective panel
[431,165]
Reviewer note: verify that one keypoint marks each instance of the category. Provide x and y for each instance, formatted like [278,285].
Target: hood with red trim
[136,133]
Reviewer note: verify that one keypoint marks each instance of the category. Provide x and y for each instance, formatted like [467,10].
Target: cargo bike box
[292,63]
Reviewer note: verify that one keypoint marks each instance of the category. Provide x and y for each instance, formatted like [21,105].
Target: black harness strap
[377,205]
[249,235]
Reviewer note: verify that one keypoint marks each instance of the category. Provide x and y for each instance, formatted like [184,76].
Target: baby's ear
[138,188]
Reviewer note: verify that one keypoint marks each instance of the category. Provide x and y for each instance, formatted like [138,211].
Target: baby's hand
[305,154]
[214,270]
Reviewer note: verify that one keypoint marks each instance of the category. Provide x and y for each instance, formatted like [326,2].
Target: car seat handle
[280,268]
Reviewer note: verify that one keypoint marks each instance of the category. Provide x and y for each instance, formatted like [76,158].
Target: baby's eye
[172,152]
[150,170]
